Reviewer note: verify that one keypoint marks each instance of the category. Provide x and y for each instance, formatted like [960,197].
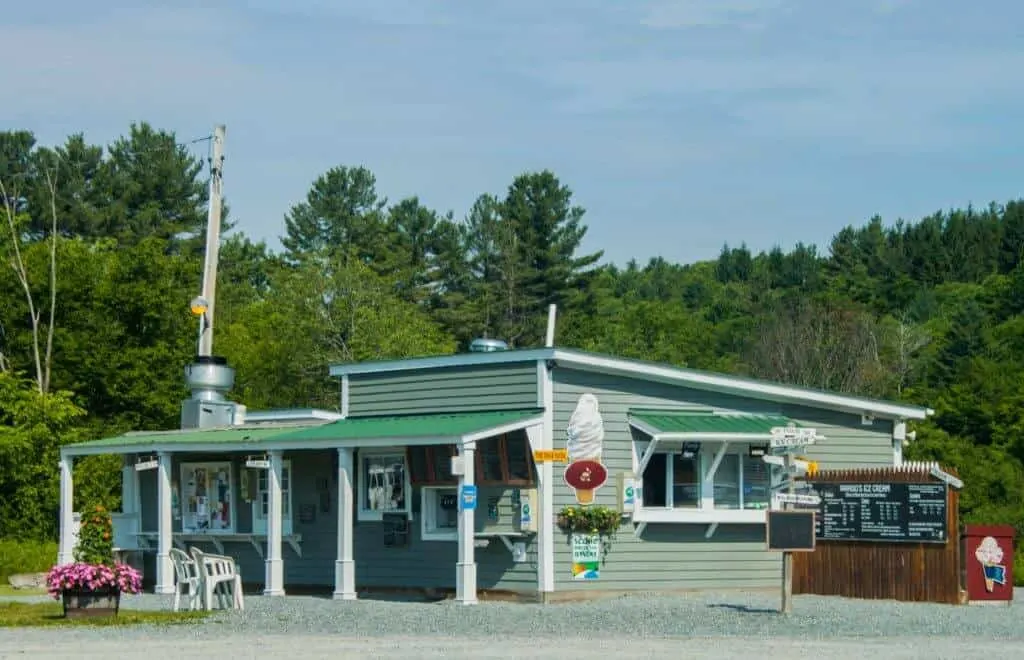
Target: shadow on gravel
[742,608]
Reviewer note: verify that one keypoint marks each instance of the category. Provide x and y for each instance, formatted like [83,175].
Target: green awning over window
[657,422]
[452,426]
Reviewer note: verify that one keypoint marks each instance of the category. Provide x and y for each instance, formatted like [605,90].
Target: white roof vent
[485,345]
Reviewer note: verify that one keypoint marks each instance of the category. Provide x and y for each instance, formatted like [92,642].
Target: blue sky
[679,124]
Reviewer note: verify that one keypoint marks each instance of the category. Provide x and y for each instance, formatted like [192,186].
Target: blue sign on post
[467,498]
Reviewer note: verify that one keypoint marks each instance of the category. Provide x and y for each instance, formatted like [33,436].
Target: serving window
[693,482]
[384,485]
[439,513]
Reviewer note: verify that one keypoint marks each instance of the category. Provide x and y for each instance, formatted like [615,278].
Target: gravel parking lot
[704,625]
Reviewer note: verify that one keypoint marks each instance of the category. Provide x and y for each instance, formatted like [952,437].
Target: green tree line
[101,251]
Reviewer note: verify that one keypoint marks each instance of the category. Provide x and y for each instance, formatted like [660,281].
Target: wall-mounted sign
[150,464]
[584,444]
[895,512]
[586,557]
[467,497]
[550,455]
[257,463]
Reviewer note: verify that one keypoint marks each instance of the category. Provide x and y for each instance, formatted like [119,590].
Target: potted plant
[93,584]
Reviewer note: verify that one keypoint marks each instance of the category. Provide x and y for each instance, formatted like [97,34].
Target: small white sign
[774,460]
[796,498]
[151,464]
[788,436]
[257,463]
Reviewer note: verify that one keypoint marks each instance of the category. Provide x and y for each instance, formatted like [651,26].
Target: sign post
[788,440]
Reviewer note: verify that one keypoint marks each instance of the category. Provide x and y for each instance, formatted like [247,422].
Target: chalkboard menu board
[791,531]
[894,512]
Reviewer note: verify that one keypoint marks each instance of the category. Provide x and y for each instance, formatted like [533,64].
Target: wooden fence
[923,572]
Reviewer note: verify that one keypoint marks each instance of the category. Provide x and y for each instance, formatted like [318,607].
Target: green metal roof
[447,425]
[199,436]
[683,421]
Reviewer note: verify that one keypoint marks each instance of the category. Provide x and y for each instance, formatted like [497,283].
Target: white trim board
[650,371]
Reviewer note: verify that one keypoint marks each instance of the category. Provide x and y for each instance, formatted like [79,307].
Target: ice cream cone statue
[584,442]
[990,555]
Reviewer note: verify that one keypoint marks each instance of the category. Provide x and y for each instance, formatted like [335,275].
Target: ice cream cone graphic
[990,556]
[584,442]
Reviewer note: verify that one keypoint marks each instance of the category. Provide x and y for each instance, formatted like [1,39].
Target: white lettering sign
[796,498]
[257,463]
[791,436]
[146,465]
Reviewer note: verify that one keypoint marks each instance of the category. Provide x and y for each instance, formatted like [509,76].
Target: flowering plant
[601,520]
[93,577]
[94,566]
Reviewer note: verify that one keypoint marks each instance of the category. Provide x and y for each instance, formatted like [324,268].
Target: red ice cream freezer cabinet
[987,562]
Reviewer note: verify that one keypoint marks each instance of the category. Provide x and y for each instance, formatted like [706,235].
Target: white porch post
[164,567]
[344,565]
[274,585]
[546,473]
[465,570]
[65,554]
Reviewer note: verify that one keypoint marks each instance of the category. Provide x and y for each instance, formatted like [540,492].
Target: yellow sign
[551,455]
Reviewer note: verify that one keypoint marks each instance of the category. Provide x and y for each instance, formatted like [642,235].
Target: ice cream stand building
[470,472]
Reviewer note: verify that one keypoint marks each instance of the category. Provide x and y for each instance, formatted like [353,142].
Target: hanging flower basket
[601,520]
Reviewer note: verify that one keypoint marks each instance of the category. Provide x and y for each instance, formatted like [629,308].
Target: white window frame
[705,511]
[429,496]
[259,521]
[364,513]
[211,467]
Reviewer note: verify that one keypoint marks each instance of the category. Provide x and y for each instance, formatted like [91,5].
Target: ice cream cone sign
[584,443]
[990,556]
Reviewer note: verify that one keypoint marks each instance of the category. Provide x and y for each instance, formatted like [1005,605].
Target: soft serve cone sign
[584,442]
[990,556]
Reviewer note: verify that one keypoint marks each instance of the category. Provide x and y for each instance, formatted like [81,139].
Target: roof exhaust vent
[486,345]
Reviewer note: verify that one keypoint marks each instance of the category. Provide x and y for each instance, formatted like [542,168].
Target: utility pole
[212,242]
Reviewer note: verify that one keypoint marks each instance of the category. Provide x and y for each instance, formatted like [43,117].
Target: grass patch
[25,557]
[17,615]
[7,590]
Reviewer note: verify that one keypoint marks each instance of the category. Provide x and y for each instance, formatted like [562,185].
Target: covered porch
[272,494]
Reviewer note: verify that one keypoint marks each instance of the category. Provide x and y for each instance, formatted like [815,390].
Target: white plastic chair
[218,574]
[186,575]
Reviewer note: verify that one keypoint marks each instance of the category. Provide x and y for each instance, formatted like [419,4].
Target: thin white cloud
[675,14]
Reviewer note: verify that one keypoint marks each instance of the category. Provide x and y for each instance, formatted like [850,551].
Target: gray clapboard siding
[484,387]
[679,555]
[847,443]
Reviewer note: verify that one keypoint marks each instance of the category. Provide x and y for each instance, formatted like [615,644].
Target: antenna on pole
[204,305]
